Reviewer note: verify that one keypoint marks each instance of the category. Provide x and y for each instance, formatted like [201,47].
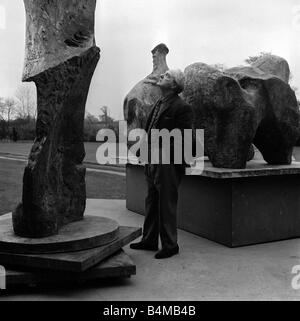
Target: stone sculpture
[241,106]
[273,65]
[138,103]
[61,57]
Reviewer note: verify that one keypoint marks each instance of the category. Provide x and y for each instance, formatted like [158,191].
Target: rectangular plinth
[72,261]
[233,207]
[119,265]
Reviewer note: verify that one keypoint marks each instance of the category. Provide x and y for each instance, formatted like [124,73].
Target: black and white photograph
[149,153]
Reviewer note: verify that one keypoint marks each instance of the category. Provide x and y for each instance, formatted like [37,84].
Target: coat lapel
[150,117]
[166,105]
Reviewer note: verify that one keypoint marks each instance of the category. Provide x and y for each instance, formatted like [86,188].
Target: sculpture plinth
[234,207]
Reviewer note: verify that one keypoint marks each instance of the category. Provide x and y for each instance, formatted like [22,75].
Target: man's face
[166,81]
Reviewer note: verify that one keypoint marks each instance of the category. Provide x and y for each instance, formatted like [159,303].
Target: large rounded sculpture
[241,106]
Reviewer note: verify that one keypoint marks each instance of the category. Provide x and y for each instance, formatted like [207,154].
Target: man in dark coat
[171,113]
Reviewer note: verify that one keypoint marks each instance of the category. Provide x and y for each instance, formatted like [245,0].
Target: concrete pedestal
[120,265]
[233,207]
[90,232]
[85,250]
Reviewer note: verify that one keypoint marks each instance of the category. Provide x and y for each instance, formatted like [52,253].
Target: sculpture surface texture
[244,105]
[138,103]
[61,57]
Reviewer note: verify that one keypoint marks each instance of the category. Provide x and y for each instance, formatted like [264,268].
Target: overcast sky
[209,31]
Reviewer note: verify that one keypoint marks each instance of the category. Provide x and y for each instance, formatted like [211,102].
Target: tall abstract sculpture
[138,102]
[61,57]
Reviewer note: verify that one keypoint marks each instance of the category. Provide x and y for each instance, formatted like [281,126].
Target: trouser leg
[151,223]
[168,180]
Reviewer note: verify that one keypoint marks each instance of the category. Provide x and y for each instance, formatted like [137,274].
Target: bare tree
[26,96]
[105,118]
[2,108]
[90,119]
[91,126]
[10,106]
[7,109]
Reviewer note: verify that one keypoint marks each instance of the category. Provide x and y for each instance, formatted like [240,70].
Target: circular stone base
[91,232]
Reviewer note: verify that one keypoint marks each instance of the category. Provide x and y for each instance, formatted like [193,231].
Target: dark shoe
[143,246]
[164,253]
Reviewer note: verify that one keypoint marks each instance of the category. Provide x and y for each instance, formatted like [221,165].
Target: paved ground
[202,271]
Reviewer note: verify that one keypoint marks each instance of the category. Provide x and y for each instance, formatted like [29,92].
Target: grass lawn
[99,185]
[23,148]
